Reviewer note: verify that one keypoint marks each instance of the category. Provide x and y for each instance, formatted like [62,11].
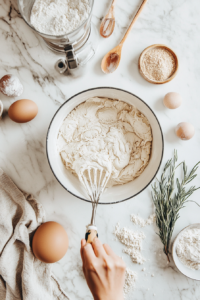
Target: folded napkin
[22,276]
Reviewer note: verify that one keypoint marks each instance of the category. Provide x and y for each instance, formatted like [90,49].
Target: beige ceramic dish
[158,46]
[192,274]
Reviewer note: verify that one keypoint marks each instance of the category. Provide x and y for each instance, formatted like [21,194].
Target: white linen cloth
[22,276]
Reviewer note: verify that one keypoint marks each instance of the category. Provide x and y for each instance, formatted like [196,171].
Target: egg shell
[11,86]
[185,131]
[23,111]
[50,242]
[172,100]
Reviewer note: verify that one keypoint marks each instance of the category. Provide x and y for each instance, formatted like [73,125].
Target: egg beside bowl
[117,193]
[22,111]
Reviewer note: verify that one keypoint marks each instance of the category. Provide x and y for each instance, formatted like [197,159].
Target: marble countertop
[22,147]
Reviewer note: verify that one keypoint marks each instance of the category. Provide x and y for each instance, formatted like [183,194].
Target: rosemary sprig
[168,199]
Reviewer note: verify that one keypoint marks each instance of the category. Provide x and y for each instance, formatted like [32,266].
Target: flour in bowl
[188,248]
[111,133]
[57,17]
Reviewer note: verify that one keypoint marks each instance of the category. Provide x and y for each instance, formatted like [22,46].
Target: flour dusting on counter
[130,279]
[188,248]
[133,242]
[137,220]
[112,133]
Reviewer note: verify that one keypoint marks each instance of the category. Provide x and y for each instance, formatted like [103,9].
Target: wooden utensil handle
[134,20]
[113,2]
[111,10]
[91,233]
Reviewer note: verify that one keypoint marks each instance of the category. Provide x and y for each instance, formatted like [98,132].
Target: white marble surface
[22,147]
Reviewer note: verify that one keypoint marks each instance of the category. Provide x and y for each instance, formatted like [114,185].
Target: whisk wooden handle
[91,233]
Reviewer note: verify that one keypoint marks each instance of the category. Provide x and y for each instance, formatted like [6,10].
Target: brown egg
[11,86]
[172,100]
[23,111]
[50,242]
[185,131]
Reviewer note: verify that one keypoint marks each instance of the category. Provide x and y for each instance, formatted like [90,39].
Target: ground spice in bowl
[158,64]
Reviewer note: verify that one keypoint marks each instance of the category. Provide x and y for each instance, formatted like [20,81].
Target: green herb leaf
[168,199]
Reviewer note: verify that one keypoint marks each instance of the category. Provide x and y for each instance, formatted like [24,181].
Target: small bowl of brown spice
[158,64]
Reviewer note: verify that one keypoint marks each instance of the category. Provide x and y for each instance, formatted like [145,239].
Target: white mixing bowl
[117,193]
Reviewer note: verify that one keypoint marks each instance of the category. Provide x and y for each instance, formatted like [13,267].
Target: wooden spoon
[108,22]
[111,60]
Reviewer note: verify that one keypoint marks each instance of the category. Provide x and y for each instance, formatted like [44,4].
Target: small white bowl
[192,274]
[117,193]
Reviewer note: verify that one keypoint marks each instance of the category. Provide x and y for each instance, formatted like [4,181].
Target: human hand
[104,271]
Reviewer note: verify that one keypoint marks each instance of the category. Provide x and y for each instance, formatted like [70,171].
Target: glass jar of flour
[66,28]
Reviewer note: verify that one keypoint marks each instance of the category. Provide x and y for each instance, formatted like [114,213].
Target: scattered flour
[188,248]
[133,242]
[135,255]
[57,17]
[130,279]
[137,220]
